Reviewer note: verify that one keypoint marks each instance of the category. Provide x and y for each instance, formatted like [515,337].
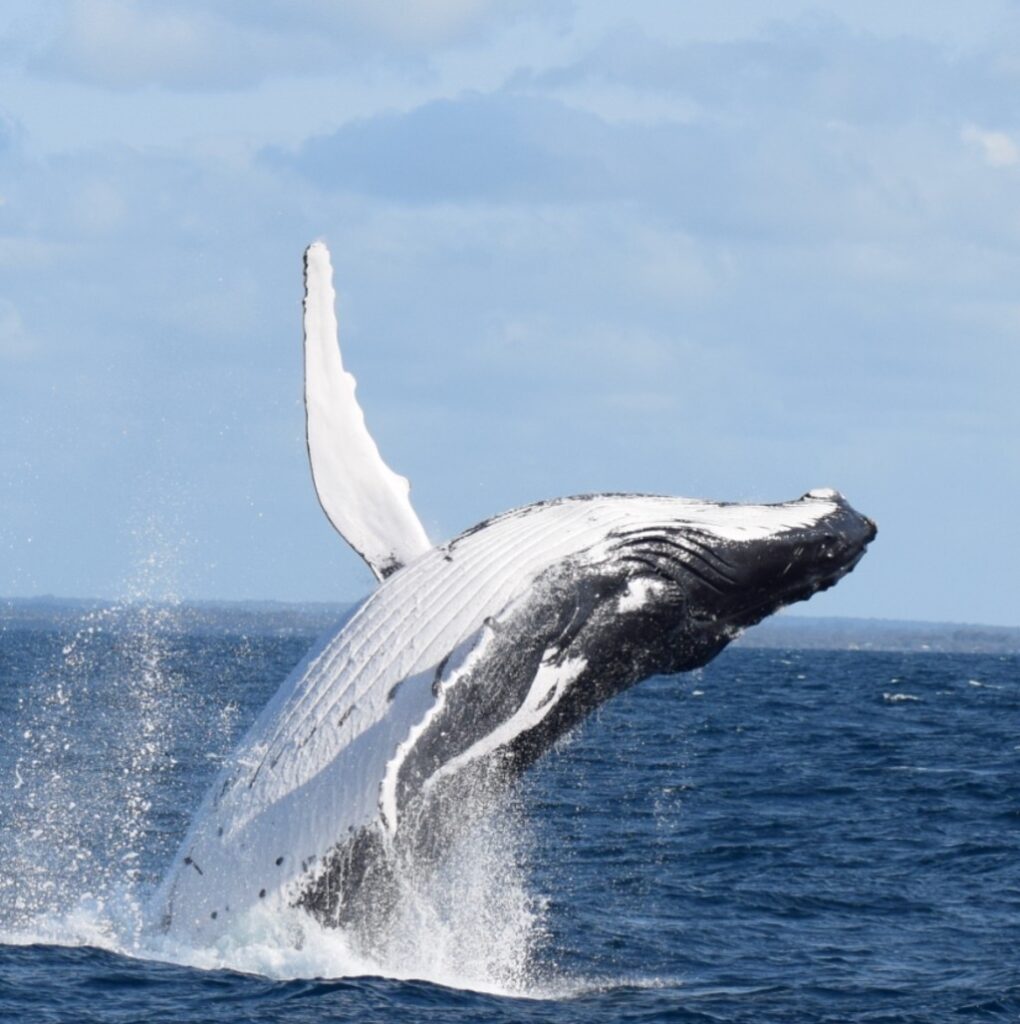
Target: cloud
[506,148]
[192,45]
[778,176]
[479,147]
[808,130]
[997,148]
[121,44]
[805,278]
[805,68]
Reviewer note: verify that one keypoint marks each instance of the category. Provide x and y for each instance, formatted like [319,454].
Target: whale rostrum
[470,659]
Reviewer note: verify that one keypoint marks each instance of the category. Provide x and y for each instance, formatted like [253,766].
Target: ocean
[787,835]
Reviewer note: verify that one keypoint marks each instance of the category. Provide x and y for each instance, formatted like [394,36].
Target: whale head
[632,586]
[703,572]
[736,564]
[671,584]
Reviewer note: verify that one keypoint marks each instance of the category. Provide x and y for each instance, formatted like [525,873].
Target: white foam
[471,924]
[72,842]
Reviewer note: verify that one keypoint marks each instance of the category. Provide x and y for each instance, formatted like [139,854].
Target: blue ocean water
[788,836]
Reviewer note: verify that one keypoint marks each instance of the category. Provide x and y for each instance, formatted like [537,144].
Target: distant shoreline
[845,634]
[780,632]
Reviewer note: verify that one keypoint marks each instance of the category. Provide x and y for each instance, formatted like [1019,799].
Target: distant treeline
[791,632]
[801,632]
[254,618]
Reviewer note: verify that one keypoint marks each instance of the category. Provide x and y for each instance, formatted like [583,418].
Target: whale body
[470,659]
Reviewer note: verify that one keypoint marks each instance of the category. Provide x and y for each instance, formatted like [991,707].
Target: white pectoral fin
[362,497]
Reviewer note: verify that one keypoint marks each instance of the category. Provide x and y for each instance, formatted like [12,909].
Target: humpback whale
[470,659]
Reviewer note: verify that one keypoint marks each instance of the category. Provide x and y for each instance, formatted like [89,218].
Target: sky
[728,251]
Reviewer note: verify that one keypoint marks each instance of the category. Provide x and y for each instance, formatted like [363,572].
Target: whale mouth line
[806,587]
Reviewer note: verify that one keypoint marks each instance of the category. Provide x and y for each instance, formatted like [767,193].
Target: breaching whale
[470,659]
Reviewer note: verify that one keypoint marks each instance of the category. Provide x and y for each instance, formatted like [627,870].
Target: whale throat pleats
[367,503]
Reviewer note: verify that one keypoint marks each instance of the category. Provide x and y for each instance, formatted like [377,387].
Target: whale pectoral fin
[367,503]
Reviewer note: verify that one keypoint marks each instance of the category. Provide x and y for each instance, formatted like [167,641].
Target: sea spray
[467,921]
[446,899]
[88,745]
[119,719]
[465,915]
[89,748]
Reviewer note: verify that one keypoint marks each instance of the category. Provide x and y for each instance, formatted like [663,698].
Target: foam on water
[471,925]
[93,744]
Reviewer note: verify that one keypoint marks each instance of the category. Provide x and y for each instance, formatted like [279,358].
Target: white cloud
[435,22]
[997,148]
[192,45]
[119,44]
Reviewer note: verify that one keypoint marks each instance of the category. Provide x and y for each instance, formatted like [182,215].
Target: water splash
[468,921]
[87,749]
[115,727]
[467,917]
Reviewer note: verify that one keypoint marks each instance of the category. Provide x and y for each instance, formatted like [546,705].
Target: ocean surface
[789,836]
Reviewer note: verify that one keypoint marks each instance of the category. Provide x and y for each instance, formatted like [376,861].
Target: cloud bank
[734,267]
[192,45]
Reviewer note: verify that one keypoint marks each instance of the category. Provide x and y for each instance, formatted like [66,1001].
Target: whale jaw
[798,563]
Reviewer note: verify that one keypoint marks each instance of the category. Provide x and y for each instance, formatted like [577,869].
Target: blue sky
[733,253]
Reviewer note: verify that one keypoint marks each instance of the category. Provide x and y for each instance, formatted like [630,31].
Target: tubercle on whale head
[701,576]
[856,520]
[795,563]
